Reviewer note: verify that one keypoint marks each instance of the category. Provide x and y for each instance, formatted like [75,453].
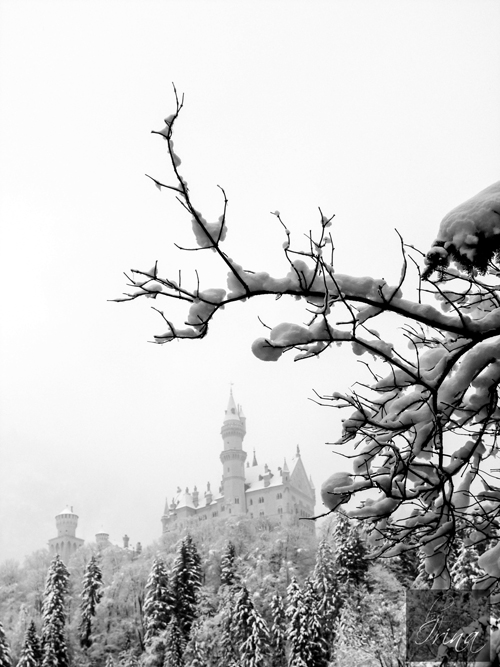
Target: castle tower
[66,542]
[233,457]
[102,539]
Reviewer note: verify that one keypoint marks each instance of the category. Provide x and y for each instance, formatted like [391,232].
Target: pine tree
[317,645]
[31,654]
[27,658]
[49,655]
[325,583]
[158,602]
[299,655]
[5,657]
[229,654]
[35,643]
[278,632]
[91,596]
[53,614]
[405,566]
[423,580]
[109,661]
[186,582]
[195,654]
[251,631]
[228,566]
[466,571]
[351,561]
[129,659]
[175,644]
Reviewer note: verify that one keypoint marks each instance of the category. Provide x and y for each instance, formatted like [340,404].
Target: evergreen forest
[243,593]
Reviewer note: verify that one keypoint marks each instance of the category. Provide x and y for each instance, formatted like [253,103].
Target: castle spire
[232,411]
[233,456]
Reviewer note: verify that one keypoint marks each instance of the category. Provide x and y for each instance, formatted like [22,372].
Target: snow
[490,561]
[207,234]
[468,228]
[264,350]
[290,334]
[331,490]
[199,313]
[376,509]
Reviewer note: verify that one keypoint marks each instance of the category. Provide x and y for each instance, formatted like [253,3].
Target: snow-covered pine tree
[278,632]
[298,639]
[423,580]
[194,654]
[158,602]
[34,640]
[175,644]
[229,654]
[109,661]
[227,565]
[324,579]
[317,645]
[91,596]
[186,581]
[129,658]
[351,563]
[27,658]
[49,655]
[466,571]
[53,614]
[5,657]
[251,631]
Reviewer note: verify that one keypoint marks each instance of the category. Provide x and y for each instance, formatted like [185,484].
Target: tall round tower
[66,522]
[233,457]
[66,542]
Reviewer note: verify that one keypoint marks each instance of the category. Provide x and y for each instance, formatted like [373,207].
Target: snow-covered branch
[425,426]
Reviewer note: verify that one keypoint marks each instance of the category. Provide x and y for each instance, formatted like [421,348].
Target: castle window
[251,515]
[279,496]
[251,501]
[261,513]
[261,499]
[228,469]
[280,510]
[236,501]
[214,513]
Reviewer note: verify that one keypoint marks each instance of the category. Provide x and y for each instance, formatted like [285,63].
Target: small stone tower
[102,539]
[66,542]
[233,458]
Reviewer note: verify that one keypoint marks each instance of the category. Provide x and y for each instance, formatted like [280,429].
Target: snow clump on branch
[469,234]
[207,234]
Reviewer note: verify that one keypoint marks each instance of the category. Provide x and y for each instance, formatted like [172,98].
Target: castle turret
[66,542]
[102,539]
[233,457]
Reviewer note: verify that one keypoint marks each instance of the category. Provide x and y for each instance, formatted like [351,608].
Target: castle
[246,489]
[66,543]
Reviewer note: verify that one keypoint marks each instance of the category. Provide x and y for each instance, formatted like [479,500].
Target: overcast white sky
[385,113]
